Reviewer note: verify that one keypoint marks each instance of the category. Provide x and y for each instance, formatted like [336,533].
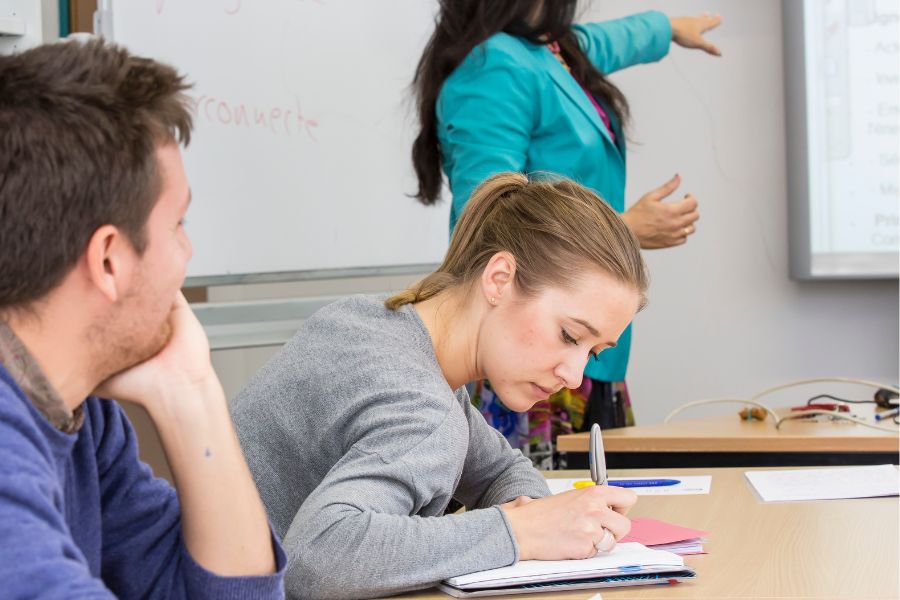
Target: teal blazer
[511,106]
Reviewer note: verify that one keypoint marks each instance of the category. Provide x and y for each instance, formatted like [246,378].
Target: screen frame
[804,265]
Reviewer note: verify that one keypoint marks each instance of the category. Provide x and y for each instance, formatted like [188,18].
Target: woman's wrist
[518,528]
[679,28]
[632,224]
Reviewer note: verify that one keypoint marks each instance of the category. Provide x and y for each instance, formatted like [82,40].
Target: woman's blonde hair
[553,227]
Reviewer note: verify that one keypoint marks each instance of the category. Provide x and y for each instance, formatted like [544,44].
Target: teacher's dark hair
[81,123]
[462,25]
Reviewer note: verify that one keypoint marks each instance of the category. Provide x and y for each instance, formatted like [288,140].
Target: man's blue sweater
[81,516]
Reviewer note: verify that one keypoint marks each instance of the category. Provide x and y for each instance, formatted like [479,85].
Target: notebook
[628,564]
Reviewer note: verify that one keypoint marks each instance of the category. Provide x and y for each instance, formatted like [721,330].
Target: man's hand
[223,520]
[176,373]
[659,225]
[688,32]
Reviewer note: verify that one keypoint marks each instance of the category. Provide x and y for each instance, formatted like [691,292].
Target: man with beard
[92,255]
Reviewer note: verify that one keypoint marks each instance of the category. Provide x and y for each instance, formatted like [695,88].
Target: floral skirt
[535,432]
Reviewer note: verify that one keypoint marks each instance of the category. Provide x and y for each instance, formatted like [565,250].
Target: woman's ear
[497,277]
[110,260]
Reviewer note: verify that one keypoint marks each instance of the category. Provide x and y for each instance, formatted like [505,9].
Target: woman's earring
[493,300]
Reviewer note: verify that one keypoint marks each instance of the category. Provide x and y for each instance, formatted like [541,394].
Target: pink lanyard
[554,48]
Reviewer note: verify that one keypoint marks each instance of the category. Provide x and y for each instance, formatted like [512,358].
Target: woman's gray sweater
[357,445]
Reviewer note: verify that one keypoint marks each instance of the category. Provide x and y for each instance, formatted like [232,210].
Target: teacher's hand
[688,32]
[659,225]
[570,525]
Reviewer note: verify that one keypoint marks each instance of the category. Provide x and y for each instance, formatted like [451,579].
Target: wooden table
[823,549]
[729,441]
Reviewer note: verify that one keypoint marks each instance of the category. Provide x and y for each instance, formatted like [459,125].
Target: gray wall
[724,318]
[41,24]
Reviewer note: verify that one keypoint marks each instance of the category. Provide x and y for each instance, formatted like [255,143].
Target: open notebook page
[624,559]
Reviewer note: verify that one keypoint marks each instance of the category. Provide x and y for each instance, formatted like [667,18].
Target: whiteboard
[300,156]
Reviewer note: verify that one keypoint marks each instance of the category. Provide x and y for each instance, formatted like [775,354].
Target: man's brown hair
[79,127]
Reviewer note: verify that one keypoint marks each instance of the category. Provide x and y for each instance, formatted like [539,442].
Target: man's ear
[110,260]
[498,276]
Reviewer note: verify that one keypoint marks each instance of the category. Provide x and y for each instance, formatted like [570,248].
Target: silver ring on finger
[605,543]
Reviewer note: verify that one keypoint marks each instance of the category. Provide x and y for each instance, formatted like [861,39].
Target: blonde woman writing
[360,431]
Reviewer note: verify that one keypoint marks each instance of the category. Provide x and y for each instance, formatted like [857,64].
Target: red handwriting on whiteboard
[277,120]
[231,7]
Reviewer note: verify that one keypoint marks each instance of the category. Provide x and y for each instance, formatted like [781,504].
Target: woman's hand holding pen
[662,225]
[688,32]
[568,525]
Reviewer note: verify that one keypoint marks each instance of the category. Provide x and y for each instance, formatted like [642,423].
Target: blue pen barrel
[630,483]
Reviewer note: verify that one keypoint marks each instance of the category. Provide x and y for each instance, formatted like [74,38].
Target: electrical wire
[720,401]
[836,399]
[835,415]
[754,401]
[800,382]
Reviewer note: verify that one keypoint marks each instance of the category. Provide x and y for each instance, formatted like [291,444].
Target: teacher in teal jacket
[513,85]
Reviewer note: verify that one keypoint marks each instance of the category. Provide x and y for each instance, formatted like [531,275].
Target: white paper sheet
[690,484]
[826,484]
[630,558]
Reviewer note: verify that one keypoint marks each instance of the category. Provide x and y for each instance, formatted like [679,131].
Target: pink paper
[650,532]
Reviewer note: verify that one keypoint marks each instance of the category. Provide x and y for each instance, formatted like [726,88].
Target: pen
[887,414]
[596,456]
[629,483]
[632,483]
[597,459]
